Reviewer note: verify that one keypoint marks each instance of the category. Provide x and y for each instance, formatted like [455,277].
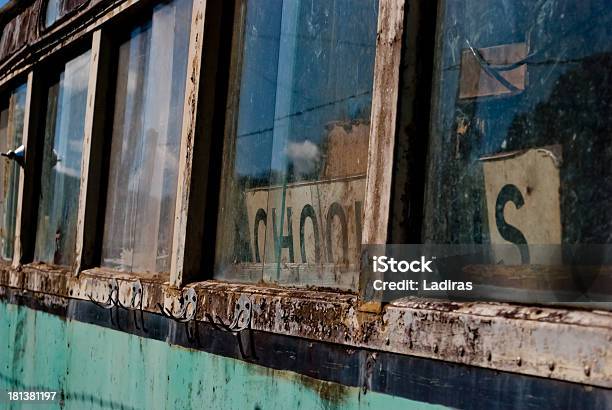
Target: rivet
[387,341]
[489,356]
[461,351]
[587,370]
[551,366]
[435,348]
[519,361]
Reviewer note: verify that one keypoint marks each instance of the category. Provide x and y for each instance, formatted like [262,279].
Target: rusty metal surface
[561,344]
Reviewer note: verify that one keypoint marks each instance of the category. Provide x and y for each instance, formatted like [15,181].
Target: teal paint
[100,368]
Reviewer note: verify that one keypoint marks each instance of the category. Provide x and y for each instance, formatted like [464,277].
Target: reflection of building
[321,220]
[321,223]
[346,149]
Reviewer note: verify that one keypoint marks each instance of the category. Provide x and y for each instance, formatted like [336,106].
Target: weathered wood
[383,129]
[27,204]
[196,136]
[88,225]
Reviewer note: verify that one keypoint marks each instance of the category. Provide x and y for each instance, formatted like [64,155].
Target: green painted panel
[99,368]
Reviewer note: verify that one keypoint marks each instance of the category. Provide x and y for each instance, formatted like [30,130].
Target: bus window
[11,133]
[296,155]
[146,133]
[61,163]
[522,103]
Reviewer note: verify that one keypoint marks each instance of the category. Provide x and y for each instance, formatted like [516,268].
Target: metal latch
[17,155]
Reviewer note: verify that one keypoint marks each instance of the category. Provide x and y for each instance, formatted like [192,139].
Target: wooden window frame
[383,129]
[27,205]
[33,139]
[383,118]
[6,89]
[90,219]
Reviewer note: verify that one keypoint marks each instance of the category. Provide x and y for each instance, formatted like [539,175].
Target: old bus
[192,191]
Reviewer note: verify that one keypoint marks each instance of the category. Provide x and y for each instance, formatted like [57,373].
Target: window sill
[504,337]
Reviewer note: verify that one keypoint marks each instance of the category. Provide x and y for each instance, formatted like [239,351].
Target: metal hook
[167,313]
[17,155]
[188,298]
[251,343]
[242,316]
[119,304]
[110,302]
[242,320]
[219,325]
[134,306]
[138,290]
[193,335]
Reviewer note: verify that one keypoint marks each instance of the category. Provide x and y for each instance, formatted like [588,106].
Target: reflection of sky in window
[558,37]
[304,67]
[3,3]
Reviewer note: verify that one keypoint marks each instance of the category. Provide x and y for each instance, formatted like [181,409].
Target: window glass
[295,159]
[57,9]
[151,77]
[61,163]
[11,132]
[521,136]
[53,12]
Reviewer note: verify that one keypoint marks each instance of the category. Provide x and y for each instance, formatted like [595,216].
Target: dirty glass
[521,148]
[143,177]
[12,107]
[61,163]
[295,157]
